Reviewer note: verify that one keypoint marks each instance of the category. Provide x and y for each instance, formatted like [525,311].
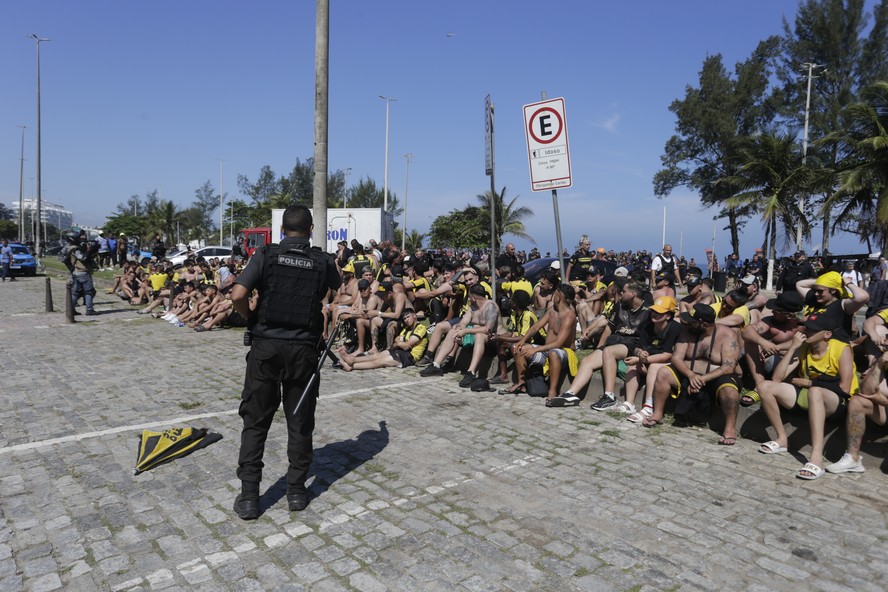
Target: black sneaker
[247,508]
[603,403]
[467,379]
[425,360]
[431,371]
[448,365]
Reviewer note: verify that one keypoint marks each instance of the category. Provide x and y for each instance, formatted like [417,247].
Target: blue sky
[151,95]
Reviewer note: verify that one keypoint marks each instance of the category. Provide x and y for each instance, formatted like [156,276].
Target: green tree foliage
[206,201]
[366,194]
[508,218]
[712,123]
[772,177]
[463,228]
[833,34]
[863,193]
[8,229]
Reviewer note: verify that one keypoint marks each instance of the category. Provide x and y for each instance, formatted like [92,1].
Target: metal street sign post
[488,170]
[545,127]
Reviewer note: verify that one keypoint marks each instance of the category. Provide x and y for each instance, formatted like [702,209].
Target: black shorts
[402,356]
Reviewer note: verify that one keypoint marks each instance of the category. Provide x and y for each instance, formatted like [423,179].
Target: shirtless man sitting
[702,365]
[385,319]
[359,314]
[698,293]
[560,321]
[768,340]
[343,300]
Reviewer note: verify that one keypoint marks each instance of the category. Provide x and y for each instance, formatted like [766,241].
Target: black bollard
[48,296]
[69,306]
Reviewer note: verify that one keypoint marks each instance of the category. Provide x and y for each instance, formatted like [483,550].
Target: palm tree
[771,178]
[508,219]
[865,184]
[162,220]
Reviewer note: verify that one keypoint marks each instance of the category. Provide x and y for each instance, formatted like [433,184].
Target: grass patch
[612,433]
[581,572]
[187,406]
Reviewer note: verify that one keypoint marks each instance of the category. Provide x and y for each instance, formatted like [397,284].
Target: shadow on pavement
[332,462]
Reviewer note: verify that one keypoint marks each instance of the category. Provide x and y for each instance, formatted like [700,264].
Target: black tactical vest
[291,288]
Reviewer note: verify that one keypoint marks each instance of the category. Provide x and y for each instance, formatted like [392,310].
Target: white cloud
[609,123]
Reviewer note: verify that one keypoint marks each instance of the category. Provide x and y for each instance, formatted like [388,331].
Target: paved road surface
[418,485]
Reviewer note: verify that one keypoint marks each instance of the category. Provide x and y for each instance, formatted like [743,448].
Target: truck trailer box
[345,224]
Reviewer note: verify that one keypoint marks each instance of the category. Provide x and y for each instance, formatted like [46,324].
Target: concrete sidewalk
[418,484]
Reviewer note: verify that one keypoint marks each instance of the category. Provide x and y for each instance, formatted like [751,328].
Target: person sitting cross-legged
[407,348]
[825,380]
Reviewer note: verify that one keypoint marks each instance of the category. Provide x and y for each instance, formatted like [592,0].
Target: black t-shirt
[836,315]
[580,263]
[654,343]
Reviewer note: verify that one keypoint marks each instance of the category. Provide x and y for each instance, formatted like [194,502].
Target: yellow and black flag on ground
[156,448]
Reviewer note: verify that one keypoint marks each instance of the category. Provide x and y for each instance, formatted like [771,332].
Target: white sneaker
[846,465]
[166,317]
[174,320]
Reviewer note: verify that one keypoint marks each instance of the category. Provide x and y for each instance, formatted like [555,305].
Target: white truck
[345,224]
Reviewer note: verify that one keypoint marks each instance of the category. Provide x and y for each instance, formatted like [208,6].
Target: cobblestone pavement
[418,484]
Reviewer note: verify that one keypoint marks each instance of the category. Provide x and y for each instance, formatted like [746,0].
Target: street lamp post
[221,203]
[37,41]
[348,171]
[811,66]
[22,189]
[388,101]
[407,157]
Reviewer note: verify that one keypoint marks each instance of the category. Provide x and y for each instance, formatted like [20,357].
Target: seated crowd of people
[194,294]
[689,354]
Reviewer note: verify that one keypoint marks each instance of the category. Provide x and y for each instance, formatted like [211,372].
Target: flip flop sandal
[726,441]
[555,402]
[518,389]
[649,422]
[810,472]
[771,447]
[750,398]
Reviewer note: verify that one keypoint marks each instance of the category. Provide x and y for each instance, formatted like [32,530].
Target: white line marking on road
[176,420]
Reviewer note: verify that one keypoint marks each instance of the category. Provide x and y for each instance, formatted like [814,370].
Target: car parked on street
[23,261]
[207,253]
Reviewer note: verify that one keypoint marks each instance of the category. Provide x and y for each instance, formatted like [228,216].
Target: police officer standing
[292,278]
[78,258]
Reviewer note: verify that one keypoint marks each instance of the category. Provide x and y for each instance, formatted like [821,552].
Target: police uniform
[80,265]
[292,279]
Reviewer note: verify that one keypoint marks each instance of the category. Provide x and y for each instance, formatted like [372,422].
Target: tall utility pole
[348,171]
[322,89]
[221,203]
[385,182]
[407,157]
[22,189]
[811,66]
[37,246]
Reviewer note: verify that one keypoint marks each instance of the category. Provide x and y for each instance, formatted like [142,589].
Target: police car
[23,261]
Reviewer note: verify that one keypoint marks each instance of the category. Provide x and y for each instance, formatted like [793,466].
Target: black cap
[702,312]
[789,301]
